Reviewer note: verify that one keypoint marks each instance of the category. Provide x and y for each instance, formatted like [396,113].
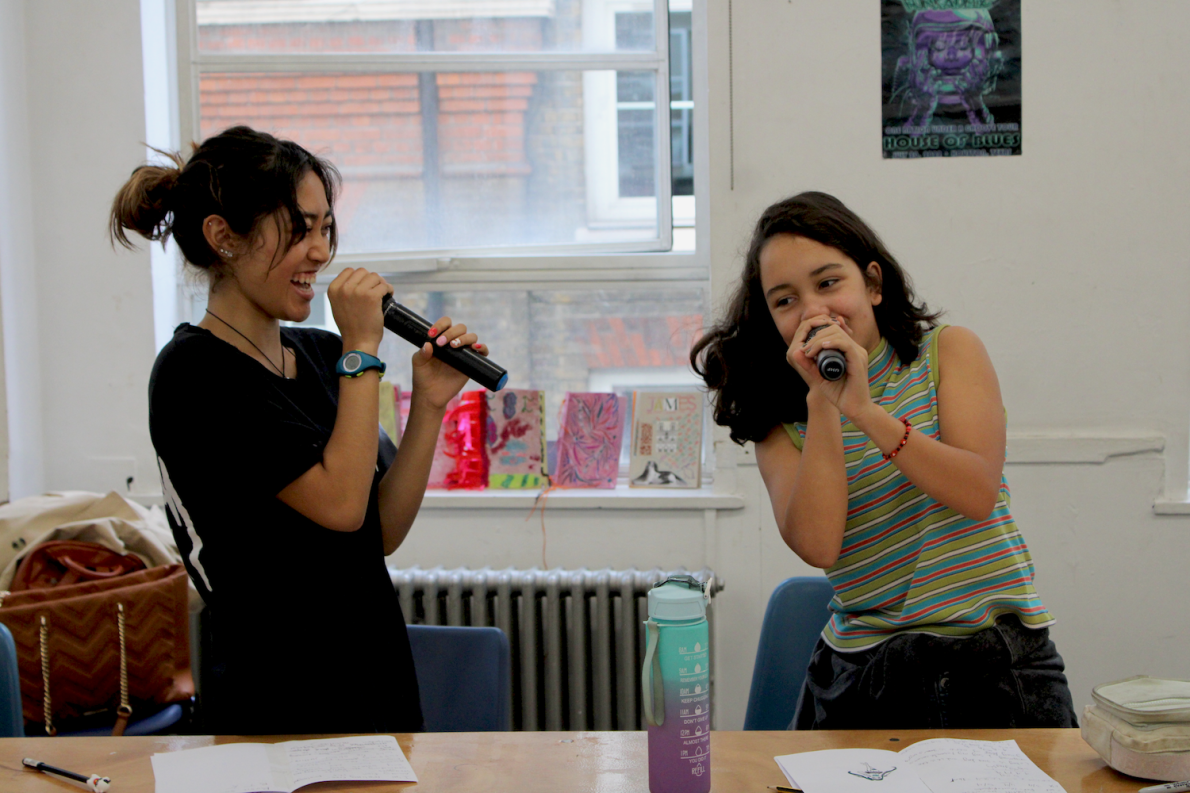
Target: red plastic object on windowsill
[465,443]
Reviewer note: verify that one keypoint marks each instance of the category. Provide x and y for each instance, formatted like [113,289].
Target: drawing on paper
[870,772]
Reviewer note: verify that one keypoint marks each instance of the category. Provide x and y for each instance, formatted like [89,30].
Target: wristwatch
[355,363]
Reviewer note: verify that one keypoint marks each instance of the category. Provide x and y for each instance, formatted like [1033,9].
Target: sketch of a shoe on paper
[871,773]
[653,475]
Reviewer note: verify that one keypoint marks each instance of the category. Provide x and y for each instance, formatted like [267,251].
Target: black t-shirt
[306,632]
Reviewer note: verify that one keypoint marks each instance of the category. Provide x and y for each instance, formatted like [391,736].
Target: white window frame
[605,206]
[570,266]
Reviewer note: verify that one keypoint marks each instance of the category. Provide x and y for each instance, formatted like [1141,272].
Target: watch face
[352,362]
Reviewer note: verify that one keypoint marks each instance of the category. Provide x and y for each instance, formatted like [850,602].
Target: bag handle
[123,712]
[46,705]
[87,572]
[652,687]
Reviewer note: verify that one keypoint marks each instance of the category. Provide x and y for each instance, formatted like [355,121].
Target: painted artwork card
[951,78]
[591,427]
[666,439]
[403,399]
[390,410]
[515,439]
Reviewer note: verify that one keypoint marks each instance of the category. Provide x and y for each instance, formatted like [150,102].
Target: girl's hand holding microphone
[355,297]
[434,380]
[849,394]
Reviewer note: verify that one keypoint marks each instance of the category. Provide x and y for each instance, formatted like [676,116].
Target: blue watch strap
[355,363]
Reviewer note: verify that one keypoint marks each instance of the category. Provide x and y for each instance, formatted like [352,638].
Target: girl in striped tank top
[889,478]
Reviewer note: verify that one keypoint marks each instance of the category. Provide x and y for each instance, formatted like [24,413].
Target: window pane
[635,113]
[635,133]
[464,160]
[399,26]
[681,103]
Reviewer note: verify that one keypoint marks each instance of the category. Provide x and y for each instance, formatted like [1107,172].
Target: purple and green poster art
[952,78]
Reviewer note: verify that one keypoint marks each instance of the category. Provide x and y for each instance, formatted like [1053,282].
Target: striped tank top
[908,563]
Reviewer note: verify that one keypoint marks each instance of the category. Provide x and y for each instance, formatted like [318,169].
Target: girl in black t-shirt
[282,494]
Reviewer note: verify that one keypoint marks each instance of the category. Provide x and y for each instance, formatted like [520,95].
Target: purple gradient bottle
[676,682]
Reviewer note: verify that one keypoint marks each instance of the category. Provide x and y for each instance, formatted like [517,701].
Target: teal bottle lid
[679,599]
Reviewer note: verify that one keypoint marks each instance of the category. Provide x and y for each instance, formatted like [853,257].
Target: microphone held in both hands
[832,364]
[414,329]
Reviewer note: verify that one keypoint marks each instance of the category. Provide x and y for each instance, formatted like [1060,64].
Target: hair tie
[170,177]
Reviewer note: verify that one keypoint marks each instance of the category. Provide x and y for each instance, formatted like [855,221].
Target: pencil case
[1145,700]
[1141,727]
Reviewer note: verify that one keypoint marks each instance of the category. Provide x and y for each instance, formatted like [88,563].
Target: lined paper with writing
[281,767]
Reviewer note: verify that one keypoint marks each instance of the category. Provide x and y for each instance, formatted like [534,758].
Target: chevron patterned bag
[102,645]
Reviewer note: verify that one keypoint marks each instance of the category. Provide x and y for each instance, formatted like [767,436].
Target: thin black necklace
[245,338]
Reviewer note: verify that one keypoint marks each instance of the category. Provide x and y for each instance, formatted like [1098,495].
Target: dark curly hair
[241,174]
[742,358]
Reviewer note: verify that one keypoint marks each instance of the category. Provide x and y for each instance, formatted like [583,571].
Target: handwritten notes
[977,767]
[941,765]
[850,771]
[281,767]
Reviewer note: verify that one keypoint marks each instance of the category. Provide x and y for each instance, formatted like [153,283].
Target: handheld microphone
[832,364]
[414,329]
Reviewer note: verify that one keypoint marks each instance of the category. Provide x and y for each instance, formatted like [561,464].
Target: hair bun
[143,204]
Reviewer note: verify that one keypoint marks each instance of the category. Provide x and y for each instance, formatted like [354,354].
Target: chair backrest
[796,614]
[464,678]
[12,721]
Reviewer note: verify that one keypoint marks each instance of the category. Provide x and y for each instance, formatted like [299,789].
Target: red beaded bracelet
[904,440]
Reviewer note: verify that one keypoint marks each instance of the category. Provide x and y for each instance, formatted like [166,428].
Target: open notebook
[281,767]
[940,765]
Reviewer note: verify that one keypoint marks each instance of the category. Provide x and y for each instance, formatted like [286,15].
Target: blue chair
[12,723]
[464,677]
[796,614]
[152,724]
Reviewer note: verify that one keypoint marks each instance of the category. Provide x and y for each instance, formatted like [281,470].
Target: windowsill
[622,497]
[1169,507]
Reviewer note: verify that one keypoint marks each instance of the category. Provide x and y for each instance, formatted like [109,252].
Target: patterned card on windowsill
[666,439]
[390,410]
[516,438]
[589,434]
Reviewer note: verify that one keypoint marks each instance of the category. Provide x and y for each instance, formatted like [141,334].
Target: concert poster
[951,78]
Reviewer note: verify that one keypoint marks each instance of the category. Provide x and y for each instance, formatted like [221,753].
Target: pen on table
[1172,787]
[99,784]
[783,789]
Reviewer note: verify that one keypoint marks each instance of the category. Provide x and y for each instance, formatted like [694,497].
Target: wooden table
[606,762]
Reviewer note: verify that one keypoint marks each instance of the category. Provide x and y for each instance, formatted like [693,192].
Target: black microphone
[414,329]
[832,364]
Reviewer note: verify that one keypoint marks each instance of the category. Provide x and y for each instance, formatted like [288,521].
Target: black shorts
[1004,676]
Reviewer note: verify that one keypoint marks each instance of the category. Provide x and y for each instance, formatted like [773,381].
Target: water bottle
[676,683]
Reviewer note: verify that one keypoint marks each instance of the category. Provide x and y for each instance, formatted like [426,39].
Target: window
[505,162]
[464,129]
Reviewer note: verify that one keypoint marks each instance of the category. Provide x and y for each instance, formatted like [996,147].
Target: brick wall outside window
[499,180]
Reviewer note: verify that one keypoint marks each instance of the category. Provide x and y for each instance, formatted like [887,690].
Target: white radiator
[577,636]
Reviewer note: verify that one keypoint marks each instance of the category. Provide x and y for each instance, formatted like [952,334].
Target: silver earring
[226,253]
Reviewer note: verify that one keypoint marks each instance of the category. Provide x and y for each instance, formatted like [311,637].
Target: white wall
[1076,248]
[78,315]
[1070,261]
[18,280]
